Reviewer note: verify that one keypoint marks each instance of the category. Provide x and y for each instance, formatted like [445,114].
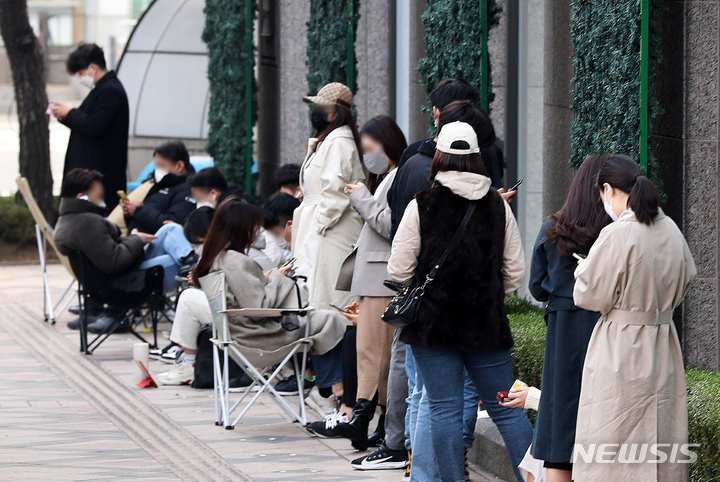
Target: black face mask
[319,120]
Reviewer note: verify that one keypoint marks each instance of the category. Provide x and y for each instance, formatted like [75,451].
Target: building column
[293,124]
[558,118]
[701,333]
[375,53]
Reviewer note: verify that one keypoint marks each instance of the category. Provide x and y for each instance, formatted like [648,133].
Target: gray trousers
[397,391]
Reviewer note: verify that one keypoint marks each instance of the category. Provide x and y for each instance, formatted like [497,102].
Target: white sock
[189,359]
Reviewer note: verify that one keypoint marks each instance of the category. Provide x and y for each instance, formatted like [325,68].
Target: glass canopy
[164,71]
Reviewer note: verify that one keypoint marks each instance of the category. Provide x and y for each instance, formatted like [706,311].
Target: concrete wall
[294,122]
[375,53]
[700,140]
[557,116]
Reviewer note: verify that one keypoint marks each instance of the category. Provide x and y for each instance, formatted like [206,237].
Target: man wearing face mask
[82,226]
[169,200]
[99,127]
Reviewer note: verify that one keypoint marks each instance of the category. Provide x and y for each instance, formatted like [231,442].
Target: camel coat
[633,382]
[325,226]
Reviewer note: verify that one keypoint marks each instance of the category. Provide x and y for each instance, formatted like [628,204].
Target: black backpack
[204,362]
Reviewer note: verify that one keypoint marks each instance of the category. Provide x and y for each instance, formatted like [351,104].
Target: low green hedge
[16,222]
[528,329]
[704,423]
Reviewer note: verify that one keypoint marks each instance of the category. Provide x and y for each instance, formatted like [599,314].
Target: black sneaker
[289,386]
[172,355]
[382,458]
[327,428]
[188,263]
[157,353]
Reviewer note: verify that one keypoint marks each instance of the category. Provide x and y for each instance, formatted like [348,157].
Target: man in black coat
[413,171]
[99,127]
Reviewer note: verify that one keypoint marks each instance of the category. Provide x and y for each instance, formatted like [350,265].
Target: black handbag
[404,308]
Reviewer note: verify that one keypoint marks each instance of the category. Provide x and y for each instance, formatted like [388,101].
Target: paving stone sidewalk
[67,416]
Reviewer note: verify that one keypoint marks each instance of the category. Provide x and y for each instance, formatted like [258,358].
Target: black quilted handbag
[404,308]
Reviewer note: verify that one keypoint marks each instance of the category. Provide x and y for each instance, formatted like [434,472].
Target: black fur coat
[464,306]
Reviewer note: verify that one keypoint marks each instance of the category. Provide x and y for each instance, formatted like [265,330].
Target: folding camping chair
[213,285]
[127,293]
[44,235]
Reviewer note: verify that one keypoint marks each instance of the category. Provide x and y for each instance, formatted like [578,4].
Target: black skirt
[568,335]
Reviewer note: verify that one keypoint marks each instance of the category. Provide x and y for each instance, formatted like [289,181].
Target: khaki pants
[374,346]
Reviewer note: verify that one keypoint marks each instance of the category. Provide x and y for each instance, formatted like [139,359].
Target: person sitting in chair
[227,247]
[81,226]
[169,199]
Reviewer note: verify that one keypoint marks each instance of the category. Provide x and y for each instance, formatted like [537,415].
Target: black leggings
[350,380]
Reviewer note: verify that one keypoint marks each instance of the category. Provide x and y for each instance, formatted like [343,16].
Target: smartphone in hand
[517,184]
[340,309]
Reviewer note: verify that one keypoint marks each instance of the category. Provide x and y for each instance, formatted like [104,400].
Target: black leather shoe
[75,310]
[357,429]
[75,324]
[103,322]
[378,437]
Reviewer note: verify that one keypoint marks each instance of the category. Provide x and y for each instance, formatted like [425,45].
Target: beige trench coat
[633,382]
[325,226]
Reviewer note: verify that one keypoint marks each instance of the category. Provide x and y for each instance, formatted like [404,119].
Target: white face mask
[608,206]
[377,162]
[159,174]
[100,203]
[210,202]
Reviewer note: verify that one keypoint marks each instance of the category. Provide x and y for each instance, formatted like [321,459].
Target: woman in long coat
[571,230]
[325,226]
[633,385]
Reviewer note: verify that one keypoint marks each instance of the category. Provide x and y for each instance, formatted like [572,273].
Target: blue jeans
[439,433]
[471,397]
[328,367]
[168,250]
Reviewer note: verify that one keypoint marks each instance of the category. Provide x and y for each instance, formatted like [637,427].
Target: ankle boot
[378,437]
[357,429]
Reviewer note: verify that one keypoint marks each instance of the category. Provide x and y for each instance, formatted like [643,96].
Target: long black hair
[344,117]
[621,172]
[384,130]
[578,224]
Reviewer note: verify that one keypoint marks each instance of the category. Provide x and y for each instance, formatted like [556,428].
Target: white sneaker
[180,374]
[323,406]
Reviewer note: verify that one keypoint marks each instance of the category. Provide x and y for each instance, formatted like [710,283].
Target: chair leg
[82,303]
[226,390]
[47,297]
[67,297]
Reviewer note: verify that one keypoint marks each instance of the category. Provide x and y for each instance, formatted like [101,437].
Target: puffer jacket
[82,227]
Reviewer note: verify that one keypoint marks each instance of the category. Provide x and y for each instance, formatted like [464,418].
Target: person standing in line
[571,230]
[383,142]
[633,380]
[325,226]
[99,127]
[462,325]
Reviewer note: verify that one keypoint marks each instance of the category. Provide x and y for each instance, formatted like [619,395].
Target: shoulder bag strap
[455,240]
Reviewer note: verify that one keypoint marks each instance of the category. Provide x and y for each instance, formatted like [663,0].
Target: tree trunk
[28,72]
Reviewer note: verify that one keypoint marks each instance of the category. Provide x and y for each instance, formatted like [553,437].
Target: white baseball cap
[457,131]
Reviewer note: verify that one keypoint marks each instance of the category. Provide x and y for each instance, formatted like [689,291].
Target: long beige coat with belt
[325,226]
[633,384]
